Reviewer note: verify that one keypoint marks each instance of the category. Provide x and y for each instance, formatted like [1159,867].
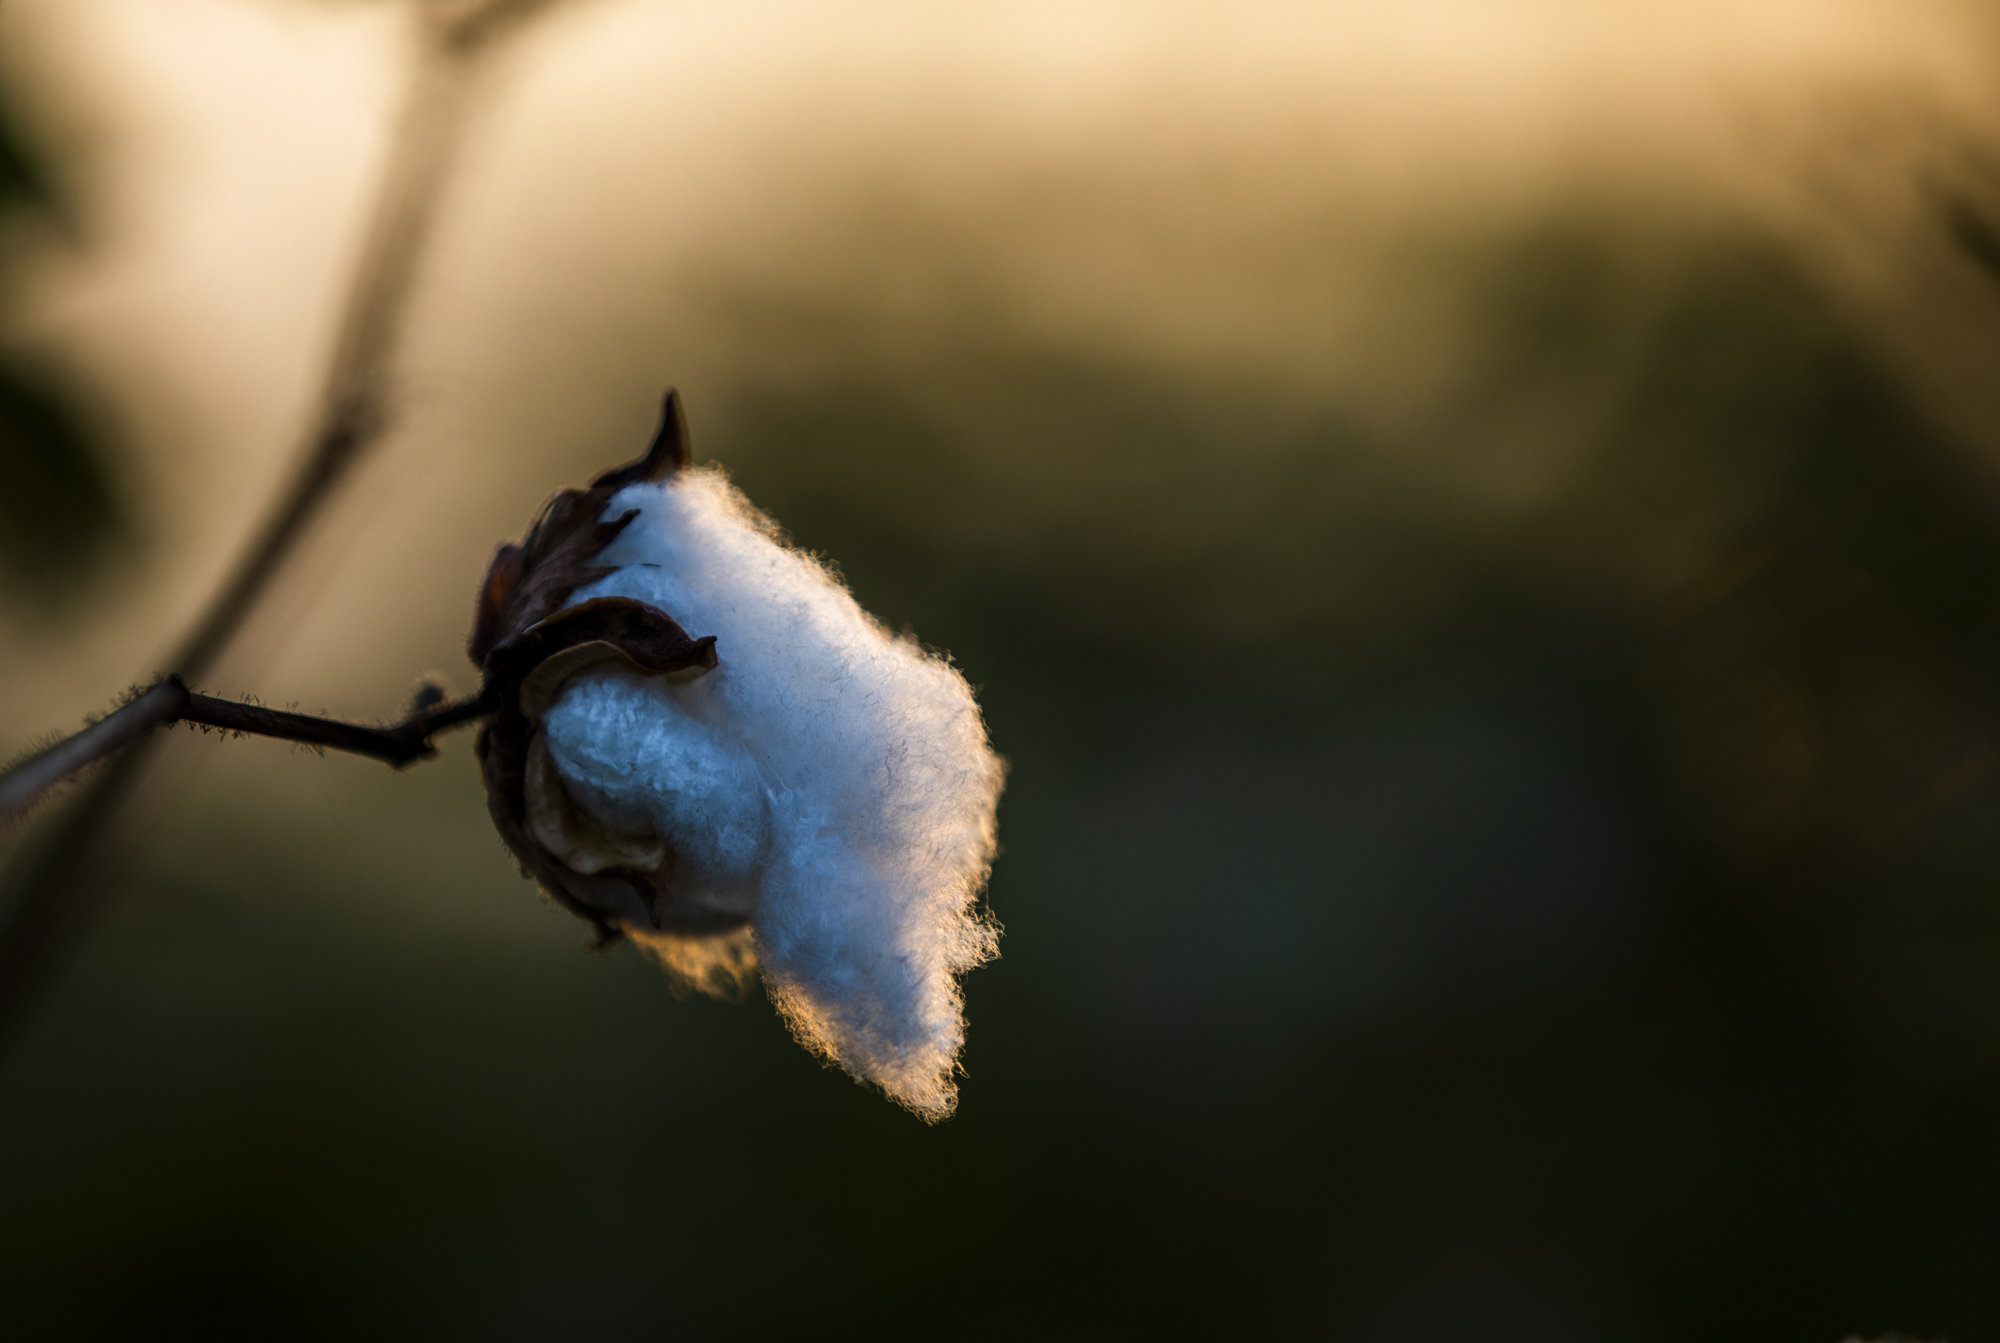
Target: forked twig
[51,887]
[170,701]
[34,778]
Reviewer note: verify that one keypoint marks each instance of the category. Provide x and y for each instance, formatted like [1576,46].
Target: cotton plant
[695,739]
[795,793]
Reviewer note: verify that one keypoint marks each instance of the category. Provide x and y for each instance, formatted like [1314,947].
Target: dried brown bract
[527,643]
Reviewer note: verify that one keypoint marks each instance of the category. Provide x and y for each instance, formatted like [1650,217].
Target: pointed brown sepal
[667,454]
[531,581]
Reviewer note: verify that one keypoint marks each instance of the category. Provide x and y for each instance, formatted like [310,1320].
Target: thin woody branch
[406,742]
[48,892]
[32,780]
[170,701]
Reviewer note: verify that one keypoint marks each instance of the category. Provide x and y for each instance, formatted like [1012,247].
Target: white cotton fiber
[841,771]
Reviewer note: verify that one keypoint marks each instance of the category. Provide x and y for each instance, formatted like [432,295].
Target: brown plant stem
[402,744]
[170,701]
[50,890]
[33,779]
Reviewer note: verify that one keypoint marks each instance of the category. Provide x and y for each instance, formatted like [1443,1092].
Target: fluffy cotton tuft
[840,772]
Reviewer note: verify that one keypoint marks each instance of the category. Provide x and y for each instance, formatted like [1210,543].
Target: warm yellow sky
[1270,193]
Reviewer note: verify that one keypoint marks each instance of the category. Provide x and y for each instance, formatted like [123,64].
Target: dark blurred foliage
[1426,921]
[19,177]
[57,501]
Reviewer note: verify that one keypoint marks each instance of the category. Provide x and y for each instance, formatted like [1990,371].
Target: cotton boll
[817,800]
[841,769]
[631,751]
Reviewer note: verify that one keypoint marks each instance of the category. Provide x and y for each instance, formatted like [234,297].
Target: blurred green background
[1497,655]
